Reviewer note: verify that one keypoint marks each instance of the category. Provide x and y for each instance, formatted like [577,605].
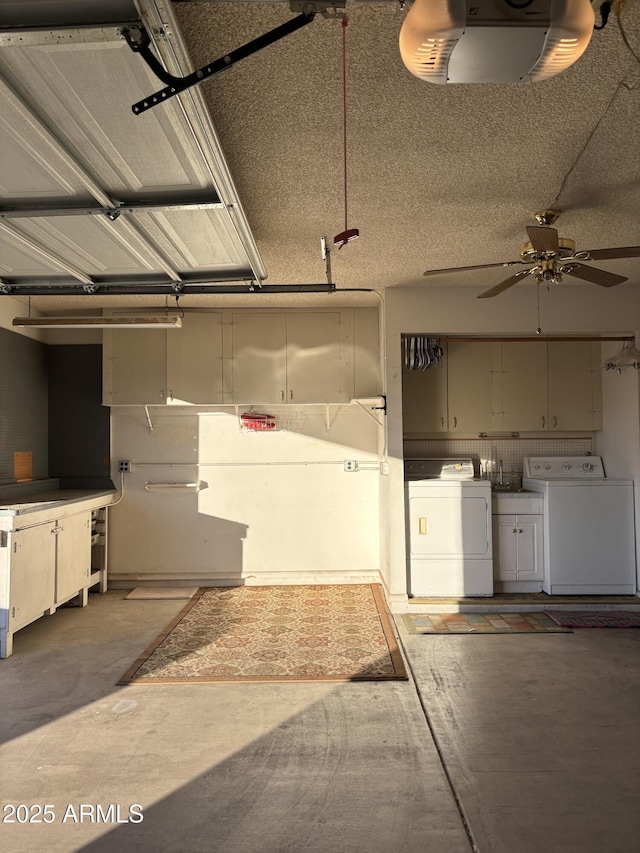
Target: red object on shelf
[257,422]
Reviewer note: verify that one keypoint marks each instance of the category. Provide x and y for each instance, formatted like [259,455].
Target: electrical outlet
[124,467]
[350,465]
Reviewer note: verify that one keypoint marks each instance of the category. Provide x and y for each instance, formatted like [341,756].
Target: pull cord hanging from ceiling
[348,234]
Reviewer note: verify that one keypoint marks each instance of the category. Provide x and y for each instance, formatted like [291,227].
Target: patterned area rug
[481,623]
[275,633]
[595,618]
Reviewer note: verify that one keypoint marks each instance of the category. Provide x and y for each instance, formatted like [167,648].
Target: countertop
[50,499]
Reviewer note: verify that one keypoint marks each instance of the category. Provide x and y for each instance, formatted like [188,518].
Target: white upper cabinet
[289,357]
[524,386]
[244,357]
[258,371]
[510,386]
[135,366]
[194,360]
[473,405]
[424,400]
[575,385]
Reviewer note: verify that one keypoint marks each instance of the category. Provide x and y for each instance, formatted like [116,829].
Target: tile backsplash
[492,453]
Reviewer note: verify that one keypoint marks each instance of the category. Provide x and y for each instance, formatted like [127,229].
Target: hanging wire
[617,11]
[621,84]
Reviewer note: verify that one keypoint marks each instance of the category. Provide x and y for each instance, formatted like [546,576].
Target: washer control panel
[563,467]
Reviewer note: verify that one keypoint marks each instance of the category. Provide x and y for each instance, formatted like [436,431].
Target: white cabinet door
[258,357]
[529,547]
[73,556]
[314,358]
[364,352]
[518,547]
[194,360]
[424,400]
[294,357]
[33,567]
[135,366]
[505,560]
[474,403]
[524,386]
[575,385]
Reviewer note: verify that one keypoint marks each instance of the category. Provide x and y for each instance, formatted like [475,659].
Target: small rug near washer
[144,593]
[275,633]
[482,623]
[595,618]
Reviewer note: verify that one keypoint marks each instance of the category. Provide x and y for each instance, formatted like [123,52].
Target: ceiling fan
[548,257]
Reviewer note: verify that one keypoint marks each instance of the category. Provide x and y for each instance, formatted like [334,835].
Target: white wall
[10,308]
[279,506]
[571,310]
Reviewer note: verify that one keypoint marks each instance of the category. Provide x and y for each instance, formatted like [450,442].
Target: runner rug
[595,618]
[275,633]
[482,623]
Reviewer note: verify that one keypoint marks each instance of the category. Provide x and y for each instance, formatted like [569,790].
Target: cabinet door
[524,386]
[365,352]
[575,385]
[135,366]
[73,556]
[505,565]
[258,357]
[424,400]
[314,364]
[32,574]
[529,547]
[473,382]
[194,360]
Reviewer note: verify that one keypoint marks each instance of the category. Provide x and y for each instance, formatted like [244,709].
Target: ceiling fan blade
[595,276]
[543,239]
[504,285]
[476,267]
[610,254]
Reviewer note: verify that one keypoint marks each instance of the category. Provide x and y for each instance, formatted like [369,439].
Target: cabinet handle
[514,530]
[520,531]
[282,395]
[543,419]
[291,394]
[162,395]
[422,526]
[442,423]
[455,422]
[555,421]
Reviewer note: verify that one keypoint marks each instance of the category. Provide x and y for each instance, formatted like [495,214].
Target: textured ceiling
[438,176]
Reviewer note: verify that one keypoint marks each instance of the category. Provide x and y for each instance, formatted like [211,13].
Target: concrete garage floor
[503,744]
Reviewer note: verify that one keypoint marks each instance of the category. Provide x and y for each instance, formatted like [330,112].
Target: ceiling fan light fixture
[447,41]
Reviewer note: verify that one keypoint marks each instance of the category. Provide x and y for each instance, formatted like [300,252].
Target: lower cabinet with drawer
[518,538]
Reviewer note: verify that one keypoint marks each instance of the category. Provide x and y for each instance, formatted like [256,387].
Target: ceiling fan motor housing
[494,41]
[566,249]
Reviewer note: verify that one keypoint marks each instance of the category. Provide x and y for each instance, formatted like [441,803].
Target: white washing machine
[589,528]
[448,519]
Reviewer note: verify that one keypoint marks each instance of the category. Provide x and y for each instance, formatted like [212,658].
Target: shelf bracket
[146,411]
